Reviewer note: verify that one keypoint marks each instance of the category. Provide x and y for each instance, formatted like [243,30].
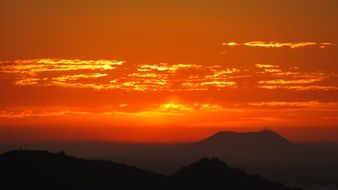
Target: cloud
[275,77]
[79,76]
[36,113]
[315,105]
[167,108]
[278,44]
[176,108]
[36,66]
[27,82]
[165,67]
[80,85]
[297,81]
[215,83]
[269,68]
[84,74]
[270,119]
[114,75]
[300,87]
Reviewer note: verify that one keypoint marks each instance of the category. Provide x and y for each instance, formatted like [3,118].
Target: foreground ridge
[26,169]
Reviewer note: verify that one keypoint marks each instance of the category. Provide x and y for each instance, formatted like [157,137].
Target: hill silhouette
[215,174]
[258,138]
[44,170]
[264,152]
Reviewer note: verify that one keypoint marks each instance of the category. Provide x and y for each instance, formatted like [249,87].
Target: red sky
[167,71]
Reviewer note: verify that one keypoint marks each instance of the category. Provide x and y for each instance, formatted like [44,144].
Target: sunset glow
[155,69]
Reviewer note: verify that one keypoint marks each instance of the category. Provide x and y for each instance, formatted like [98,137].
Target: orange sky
[167,71]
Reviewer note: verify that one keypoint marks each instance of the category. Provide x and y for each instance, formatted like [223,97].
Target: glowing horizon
[167,68]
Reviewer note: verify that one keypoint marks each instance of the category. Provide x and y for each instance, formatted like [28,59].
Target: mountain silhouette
[44,170]
[264,152]
[215,174]
[266,147]
[261,137]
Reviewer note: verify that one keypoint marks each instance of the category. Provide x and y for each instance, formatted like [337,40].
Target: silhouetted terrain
[45,170]
[215,174]
[329,147]
[265,153]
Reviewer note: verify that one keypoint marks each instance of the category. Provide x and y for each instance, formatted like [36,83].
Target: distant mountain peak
[261,132]
[264,136]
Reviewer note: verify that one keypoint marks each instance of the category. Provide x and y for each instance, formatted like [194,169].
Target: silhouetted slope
[252,147]
[264,152]
[255,137]
[44,170]
[271,155]
[215,174]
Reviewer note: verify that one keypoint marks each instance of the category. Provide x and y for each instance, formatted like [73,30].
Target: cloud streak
[35,66]
[263,44]
[324,106]
[114,75]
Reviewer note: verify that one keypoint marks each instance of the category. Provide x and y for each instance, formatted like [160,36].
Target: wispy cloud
[166,108]
[315,105]
[269,68]
[35,113]
[300,87]
[165,67]
[80,76]
[177,108]
[36,66]
[114,75]
[276,77]
[278,44]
